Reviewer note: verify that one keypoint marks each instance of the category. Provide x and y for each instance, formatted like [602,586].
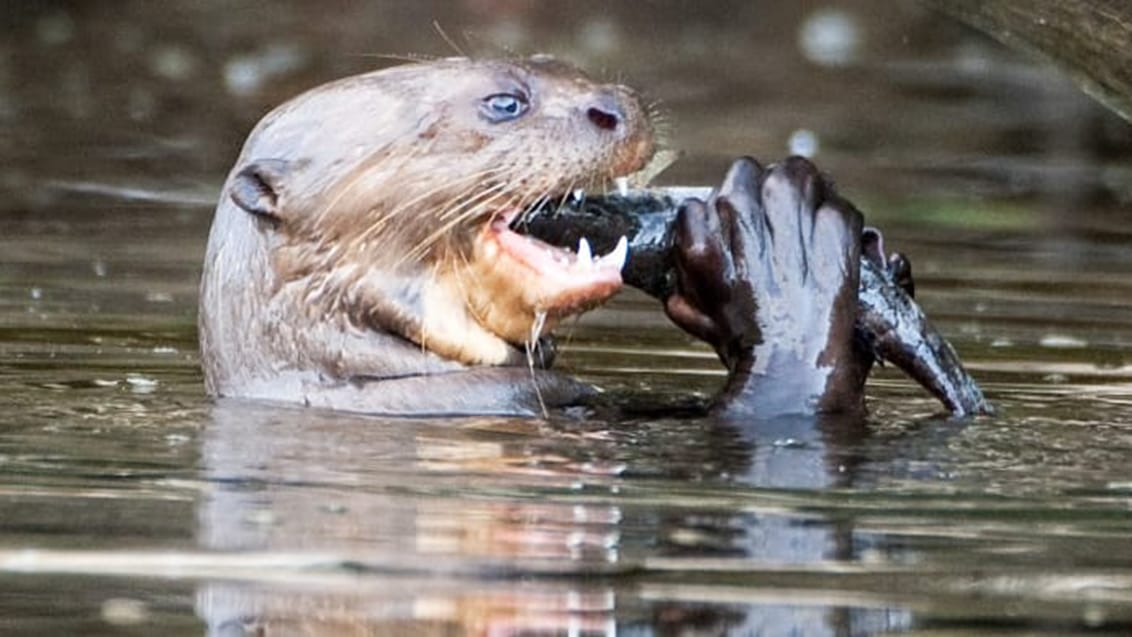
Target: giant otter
[361,256]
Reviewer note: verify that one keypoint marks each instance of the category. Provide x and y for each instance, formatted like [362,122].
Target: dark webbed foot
[767,273]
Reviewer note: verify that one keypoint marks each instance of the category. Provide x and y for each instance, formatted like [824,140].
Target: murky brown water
[129,504]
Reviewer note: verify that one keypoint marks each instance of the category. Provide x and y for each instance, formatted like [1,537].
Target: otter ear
[258,187]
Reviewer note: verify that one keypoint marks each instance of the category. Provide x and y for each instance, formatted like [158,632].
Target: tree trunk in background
[1090,39]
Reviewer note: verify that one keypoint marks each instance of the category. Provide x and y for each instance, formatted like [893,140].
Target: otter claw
[900,267]
[897,267]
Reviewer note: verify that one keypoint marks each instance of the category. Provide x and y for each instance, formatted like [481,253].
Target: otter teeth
[585,254]
[616,258]
[619,255]
[622,186]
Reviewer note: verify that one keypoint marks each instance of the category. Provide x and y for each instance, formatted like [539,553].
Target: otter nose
[603,119]
[606,112]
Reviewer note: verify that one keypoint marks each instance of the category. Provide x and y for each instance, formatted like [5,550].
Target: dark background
[137,100]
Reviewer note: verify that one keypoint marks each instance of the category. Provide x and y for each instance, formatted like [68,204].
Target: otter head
[374,212]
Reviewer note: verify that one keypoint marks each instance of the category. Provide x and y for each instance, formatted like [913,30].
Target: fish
[890,324]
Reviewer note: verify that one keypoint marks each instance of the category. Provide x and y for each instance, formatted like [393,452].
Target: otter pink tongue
[563,273]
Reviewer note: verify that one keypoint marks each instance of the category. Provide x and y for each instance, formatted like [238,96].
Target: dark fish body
[889,321]
[644,217]
[901,334]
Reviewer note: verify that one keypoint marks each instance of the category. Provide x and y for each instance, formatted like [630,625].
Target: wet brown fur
[385,242]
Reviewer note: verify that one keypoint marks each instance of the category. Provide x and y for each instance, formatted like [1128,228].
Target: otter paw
[767,272]
[896,266]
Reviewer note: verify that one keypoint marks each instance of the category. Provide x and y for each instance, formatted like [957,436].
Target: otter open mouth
[521,286]
[534,278]
[560,282]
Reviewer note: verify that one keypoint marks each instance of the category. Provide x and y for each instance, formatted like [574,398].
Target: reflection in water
[408,504]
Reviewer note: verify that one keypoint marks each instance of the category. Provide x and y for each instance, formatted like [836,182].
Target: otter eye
[502,107]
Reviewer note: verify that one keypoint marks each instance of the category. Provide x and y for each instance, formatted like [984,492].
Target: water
[130,504]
